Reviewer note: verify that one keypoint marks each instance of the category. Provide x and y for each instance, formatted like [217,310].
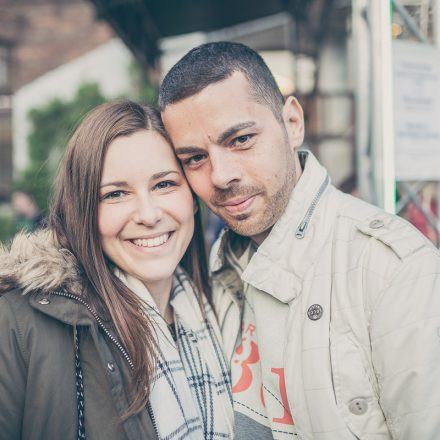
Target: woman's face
[146,209]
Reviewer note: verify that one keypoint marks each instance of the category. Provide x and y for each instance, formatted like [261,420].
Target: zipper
[153,419]
[302,228]
[101,325]
[115,342]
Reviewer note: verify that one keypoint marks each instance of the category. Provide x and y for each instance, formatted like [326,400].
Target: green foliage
[145,91]
[51,127]
[53,124]
[6,228]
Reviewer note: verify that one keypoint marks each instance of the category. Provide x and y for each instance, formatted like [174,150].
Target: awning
[141,23]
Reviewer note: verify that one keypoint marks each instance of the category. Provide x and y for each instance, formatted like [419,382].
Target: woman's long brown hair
[74,220]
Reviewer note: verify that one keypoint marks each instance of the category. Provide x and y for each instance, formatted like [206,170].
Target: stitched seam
[390,376]
[251,409]
[400,269]
[20,338]
[418,277]
[417,412]
[410,324]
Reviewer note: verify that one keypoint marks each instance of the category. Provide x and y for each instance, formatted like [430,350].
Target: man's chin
[246,226]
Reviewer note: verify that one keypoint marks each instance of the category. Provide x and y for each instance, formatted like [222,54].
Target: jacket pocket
[356,388]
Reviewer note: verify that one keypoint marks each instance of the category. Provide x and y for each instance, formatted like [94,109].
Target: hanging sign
[416,72]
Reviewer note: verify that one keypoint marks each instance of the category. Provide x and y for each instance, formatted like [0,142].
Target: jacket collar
[62,308]
[295,240]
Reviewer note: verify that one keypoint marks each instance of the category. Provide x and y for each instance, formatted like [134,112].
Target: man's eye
[193,160]
[241,140]
[164,184]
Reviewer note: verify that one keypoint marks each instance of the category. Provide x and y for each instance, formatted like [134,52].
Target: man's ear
[195,205]
[293,117]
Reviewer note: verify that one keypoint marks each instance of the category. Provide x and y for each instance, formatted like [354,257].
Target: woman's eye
[165,184]
[113,195]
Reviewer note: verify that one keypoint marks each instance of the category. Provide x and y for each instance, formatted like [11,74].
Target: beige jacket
[362,357]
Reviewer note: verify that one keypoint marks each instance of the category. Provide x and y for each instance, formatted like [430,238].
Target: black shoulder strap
[79,389]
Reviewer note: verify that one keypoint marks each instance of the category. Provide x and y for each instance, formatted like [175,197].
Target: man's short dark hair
[213,62]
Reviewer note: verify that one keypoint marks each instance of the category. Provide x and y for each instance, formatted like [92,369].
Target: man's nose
[225,170]
[147,211]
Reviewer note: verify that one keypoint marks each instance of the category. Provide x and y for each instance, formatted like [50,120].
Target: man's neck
[259,238]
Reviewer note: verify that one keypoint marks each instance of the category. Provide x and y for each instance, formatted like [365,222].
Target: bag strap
[79,389]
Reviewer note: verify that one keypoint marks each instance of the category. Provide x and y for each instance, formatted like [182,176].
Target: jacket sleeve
[405,342]
[12,373]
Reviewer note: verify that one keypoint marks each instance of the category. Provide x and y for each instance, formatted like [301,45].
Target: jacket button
[111,366]
[315,312]
[358,406]
[44,301]
[376,224]
[239,295]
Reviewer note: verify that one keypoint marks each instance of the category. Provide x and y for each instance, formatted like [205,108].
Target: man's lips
[238,205]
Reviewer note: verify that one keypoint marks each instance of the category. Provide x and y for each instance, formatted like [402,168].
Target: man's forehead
[217,92]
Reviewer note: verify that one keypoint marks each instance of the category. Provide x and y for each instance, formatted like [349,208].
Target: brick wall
[48,33]
[37,36]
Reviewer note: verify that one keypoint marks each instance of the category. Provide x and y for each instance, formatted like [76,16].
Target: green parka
[40,309]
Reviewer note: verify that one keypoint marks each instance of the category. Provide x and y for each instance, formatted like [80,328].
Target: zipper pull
[301,230]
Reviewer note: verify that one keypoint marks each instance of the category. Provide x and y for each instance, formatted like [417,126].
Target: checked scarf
[191,392]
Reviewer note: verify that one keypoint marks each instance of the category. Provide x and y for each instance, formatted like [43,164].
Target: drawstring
[79,389]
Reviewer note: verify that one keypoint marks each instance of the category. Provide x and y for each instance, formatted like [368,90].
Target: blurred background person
[28,216]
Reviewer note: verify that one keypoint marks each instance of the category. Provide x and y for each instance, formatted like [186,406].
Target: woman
[102,334]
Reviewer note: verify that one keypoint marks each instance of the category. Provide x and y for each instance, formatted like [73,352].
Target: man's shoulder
[357,219]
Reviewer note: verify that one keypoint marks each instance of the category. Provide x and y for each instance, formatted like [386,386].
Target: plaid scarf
[191,392]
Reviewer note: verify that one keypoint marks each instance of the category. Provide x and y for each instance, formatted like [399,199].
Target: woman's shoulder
[36,262]
[15,323]
[16,310]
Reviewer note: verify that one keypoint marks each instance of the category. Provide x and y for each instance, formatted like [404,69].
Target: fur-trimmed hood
[37,262]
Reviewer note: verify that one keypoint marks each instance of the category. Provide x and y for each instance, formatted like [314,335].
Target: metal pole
[436,29]
[361,68]
[382,123]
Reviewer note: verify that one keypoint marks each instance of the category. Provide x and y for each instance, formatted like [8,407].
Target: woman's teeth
[152,242]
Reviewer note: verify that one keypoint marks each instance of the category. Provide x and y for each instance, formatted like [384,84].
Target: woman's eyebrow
[162,174]
[118,183]
[159,175]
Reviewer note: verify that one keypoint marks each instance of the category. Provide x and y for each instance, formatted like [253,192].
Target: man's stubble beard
[250,225]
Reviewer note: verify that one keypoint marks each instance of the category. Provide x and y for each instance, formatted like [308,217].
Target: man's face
[238,158]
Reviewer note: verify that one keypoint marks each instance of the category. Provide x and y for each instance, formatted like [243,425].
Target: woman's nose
[147,211]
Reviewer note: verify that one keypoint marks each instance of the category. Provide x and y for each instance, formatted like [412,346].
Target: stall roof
[141,23]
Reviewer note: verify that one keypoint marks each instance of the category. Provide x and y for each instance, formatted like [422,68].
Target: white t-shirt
[261,407]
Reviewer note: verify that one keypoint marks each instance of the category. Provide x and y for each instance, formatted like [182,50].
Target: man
[329,307]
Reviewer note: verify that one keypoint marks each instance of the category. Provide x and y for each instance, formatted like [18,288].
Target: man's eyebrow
[223,136]
[189,150]
[232,130]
